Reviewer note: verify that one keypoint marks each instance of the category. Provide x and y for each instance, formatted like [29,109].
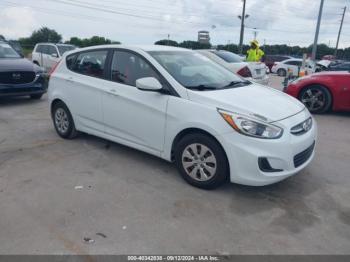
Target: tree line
[45,34]
[295,51]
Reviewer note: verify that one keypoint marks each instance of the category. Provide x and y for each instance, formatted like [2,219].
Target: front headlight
[250,127]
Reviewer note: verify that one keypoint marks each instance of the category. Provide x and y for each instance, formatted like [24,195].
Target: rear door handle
[70,79]
[112,92]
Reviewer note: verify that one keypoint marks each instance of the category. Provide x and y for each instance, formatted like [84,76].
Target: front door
[134,116]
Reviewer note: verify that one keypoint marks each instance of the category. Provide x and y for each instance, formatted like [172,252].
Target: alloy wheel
[313,99]
[61,120]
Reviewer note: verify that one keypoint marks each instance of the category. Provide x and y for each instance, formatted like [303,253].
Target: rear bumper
[262,81]
[34,88]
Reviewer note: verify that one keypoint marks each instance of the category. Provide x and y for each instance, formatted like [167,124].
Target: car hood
[255,100]
[17,64]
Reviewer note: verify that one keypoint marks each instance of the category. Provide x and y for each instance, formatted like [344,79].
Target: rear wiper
[237,83]
[201,87]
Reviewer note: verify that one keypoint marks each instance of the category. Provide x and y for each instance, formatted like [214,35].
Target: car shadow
[18,101]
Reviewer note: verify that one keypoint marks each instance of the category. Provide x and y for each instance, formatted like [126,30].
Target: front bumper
[38,86]
[243,153]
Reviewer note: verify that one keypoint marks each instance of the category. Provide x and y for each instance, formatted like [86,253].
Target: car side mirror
[148,84]
[54,55]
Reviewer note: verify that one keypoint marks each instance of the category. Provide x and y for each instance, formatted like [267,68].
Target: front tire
[316,98]
[281,72]
[63,121]
[201,161]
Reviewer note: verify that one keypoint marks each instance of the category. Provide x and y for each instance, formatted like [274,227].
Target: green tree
[95,40]
[44,34]
[194,45]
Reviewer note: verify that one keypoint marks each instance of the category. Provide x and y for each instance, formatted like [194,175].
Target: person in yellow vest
[254,54]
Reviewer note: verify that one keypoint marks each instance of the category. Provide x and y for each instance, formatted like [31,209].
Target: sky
[291,22]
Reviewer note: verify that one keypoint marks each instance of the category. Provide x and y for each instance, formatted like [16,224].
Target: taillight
[245,72]
[53,69]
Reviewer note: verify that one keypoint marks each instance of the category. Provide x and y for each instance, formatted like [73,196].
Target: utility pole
[255,32]
[242,28]
[168,40]
[341,27]
[314,49]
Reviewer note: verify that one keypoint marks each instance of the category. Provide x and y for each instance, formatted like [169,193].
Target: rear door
[83,84]
[133,116]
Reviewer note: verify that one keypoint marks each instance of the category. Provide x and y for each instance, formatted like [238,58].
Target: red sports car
[323,91]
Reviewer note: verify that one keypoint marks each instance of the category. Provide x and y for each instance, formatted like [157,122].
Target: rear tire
[281,72]
[201,161]
[63,121]
[316,98]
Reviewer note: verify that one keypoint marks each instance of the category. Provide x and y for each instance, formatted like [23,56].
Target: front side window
[91,63]
[6,51]
[65,48]
[195,71]
[128,67]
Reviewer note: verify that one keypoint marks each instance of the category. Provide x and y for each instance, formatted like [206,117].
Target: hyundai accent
[180,106]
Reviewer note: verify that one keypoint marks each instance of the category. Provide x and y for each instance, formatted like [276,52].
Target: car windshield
[195,71]
[65,48]
[228,56]
[6,51]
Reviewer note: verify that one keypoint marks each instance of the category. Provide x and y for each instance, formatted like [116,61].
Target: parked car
[293,65]
[322,65]
[254,71]
[323,91]
[179,105]
[270,60]
[19,76]
[47,55]
[343,66]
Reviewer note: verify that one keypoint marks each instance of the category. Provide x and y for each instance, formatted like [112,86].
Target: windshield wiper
[201,87]
[237,83]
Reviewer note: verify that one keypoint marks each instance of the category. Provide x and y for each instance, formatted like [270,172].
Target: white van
[47,55]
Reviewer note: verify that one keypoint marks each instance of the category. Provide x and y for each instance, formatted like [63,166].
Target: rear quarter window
[70,61]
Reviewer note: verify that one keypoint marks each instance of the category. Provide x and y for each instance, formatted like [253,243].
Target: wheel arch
[193,130]
[54,102]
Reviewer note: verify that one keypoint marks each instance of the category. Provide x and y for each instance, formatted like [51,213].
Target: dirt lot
[54,193]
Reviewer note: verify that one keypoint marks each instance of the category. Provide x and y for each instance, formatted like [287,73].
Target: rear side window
[89,63]
[70,61]
[128,67]
[51,50]
[42,49]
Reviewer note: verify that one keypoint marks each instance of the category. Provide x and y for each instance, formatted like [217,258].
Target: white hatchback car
[179,105]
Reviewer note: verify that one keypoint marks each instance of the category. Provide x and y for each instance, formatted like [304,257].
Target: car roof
[146,48]
[57,44]
[293,59]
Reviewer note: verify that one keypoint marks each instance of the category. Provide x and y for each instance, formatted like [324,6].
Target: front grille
[16,78]
[304,156]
